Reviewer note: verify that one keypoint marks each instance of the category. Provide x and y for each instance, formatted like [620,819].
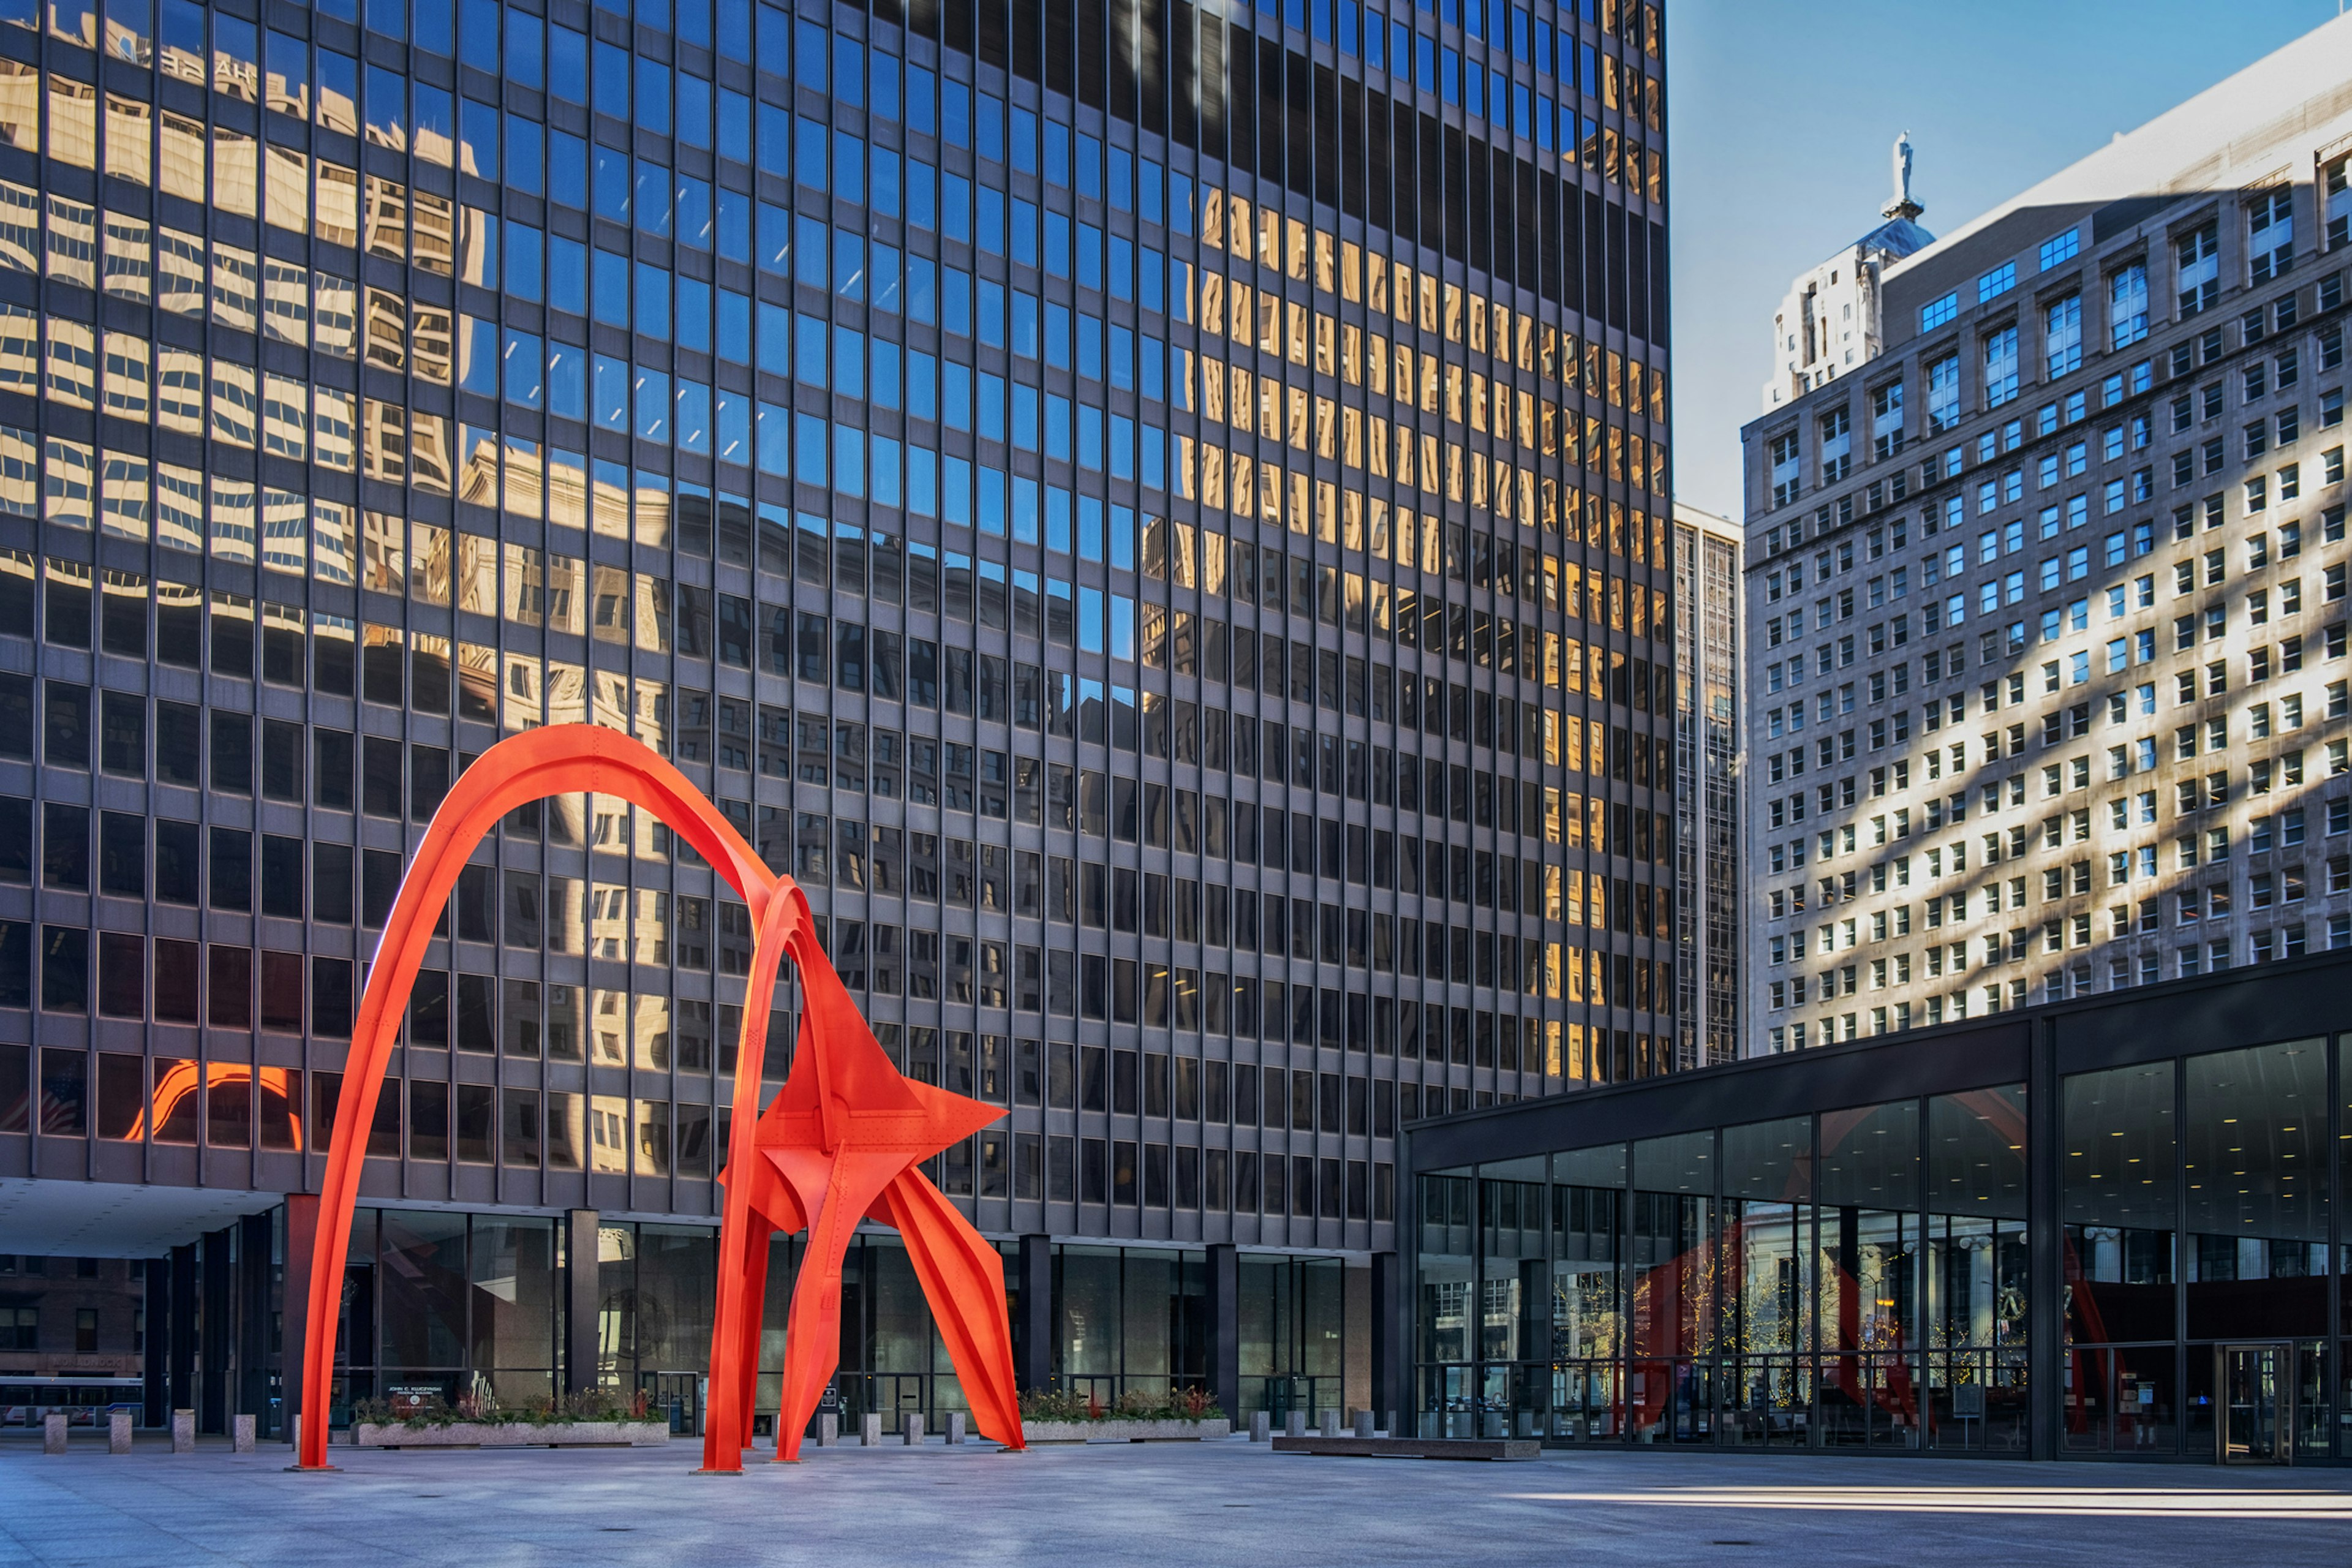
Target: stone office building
[1154,514]
[2047,685]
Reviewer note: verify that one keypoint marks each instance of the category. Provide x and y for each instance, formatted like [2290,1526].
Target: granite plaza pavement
[1179,1505]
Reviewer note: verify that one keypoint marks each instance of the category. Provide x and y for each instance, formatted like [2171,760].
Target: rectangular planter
[1115,1430]
[514,1434]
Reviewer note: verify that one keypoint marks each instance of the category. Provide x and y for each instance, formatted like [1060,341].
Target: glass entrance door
[2258,1385]
[675,1397]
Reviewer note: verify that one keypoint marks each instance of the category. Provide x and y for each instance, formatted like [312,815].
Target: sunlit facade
[2046,685]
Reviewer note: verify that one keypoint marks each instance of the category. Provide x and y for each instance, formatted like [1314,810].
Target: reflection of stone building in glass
[2046,691]
[68,1318]
[1707,872]
[1155,518]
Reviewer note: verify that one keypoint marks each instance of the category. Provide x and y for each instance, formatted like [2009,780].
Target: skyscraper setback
[1157,518]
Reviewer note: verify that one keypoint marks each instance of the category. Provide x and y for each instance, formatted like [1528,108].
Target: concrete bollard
[240,1429]
[1363,1423]
[183,1431]
[869,1429]
[1330,1424]
[1295,1424]
[955,1426]
[913,1430]
[1261,1426]
[118,1432]
[828,1430]
[294,1431]
[53,1432]
[1394,1430]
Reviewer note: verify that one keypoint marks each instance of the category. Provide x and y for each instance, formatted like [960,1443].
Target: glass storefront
[2119,1200]
[2195,1212]
[1865,1278]
[1978,1287]
[1293,1325]
[1129,1321]
[446,1305]
[1852,1279]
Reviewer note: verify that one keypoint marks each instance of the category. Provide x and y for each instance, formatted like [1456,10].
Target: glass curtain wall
[449,1305]
[2343,1325]
[445,1304]
[1768,1281]
[2196,1197]
[1672,1309]
[1855,1279]
[893,1362]
[1446,1305]
[1862,1278]
[1513,1299]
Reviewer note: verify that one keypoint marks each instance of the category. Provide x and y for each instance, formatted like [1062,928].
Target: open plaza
[1174,1503]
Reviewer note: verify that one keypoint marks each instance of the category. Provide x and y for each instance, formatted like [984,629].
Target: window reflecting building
[1153,514]
[1707,872]
[2102,1229]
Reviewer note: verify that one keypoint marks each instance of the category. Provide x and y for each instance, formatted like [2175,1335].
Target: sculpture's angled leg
[813,1331]
[850,1183]
[727,1428]
[963,1279]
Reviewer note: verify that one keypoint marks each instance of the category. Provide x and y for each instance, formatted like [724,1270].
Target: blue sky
[1782,115]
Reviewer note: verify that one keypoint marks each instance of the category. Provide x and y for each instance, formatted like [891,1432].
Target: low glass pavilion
[2105,1228]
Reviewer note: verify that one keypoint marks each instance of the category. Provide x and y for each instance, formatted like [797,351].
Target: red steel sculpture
[842,1141]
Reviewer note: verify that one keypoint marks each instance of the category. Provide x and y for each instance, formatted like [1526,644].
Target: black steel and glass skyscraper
[1156,515]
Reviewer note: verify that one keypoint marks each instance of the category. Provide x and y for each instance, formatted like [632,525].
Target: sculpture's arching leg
[754,1265]
[963,1279]
[559,759]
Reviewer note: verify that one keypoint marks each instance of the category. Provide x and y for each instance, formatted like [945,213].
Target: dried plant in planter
[483,1405]
[1135,1404]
